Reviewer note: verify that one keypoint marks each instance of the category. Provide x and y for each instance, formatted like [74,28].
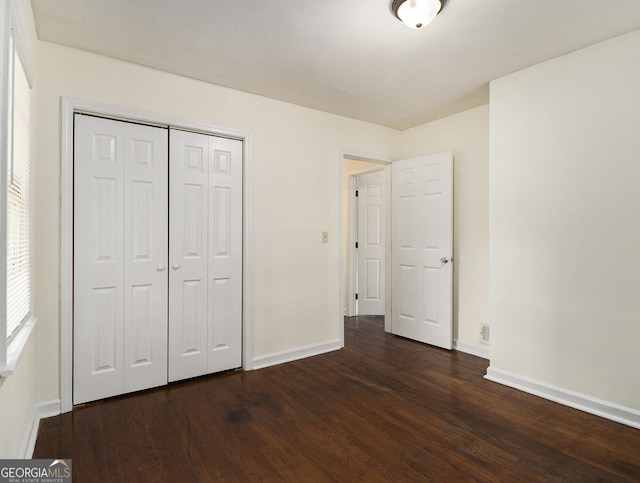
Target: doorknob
[175,266]
[444,260]
[160,268]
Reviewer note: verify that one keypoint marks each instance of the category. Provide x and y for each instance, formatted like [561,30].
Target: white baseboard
[295,354]
[40,411]
[479,350]
[604,409]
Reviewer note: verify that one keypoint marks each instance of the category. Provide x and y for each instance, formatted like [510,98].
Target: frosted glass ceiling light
[416,13]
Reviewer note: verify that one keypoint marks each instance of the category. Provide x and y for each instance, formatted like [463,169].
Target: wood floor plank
[382,409]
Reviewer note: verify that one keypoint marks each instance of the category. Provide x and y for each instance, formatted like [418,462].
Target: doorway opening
[419,220]
[366,240]
[352,167]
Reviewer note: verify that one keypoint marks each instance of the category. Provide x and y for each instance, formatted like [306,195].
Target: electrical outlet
[484,333]
[325,237]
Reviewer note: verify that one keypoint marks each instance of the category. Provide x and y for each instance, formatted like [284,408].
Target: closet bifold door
[205,240]
[120,258]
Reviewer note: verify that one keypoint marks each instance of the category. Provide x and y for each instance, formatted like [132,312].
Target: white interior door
[120,257]
[205,308]
[370,249]
[188,257]
[225,255]
[422,248]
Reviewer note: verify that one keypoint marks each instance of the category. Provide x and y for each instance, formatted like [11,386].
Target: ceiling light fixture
[416,13]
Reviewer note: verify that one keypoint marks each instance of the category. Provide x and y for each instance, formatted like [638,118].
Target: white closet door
[225,254]
[189,180]
[120,248]
[146,251]
[205,306]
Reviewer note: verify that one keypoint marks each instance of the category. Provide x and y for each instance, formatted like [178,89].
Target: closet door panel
[120,258]
[146,250]
[188,232]
[225,254]
[98,260]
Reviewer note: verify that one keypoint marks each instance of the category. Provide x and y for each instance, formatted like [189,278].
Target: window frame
[11,26]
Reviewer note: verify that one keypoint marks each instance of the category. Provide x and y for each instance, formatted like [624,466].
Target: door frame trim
[69,106]
[385,162]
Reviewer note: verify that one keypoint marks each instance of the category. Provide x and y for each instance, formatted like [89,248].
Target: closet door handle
[175,266]
[161,268]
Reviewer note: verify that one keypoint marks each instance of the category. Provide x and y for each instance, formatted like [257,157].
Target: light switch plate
[325,237]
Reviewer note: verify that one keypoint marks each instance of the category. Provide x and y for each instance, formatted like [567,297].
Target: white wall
[17,402]
[467,135]
[565,222]
[295,192]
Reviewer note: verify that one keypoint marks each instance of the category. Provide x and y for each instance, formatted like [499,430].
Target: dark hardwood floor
[382,409]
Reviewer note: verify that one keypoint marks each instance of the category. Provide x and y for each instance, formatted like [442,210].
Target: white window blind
[18,205]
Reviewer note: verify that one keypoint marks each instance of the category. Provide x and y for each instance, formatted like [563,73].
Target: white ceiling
[348,57]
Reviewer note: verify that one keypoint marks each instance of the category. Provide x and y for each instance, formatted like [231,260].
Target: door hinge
[356,193]
[356,244]
[356,296]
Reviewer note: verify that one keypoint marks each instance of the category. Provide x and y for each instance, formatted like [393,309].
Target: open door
[422,249]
